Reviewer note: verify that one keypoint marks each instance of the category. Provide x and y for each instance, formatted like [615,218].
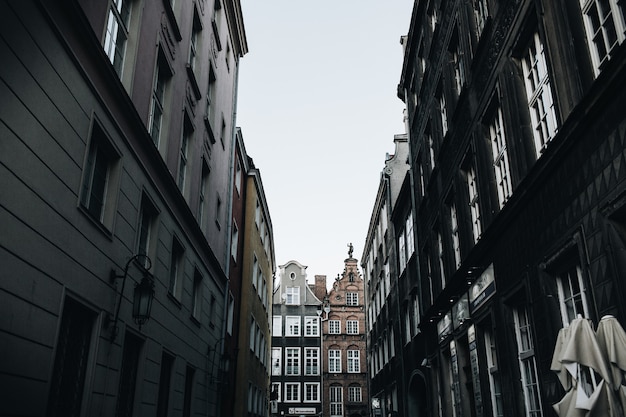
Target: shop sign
[302,410]
[482,289]
[478,400]
[444,327]
[460,312]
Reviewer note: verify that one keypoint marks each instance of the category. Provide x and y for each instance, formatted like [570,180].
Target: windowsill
[174,300]
[194,320]
[193,81]
[105,230]
[172,18]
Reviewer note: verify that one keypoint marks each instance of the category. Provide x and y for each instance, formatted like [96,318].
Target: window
[234,243]
[311,361]
[443,110]
[209,112]
[605,25]
[277,326]
[527,363]
[218,212]
[202,195]
[212,318]
[352,298]
[311,326]
[454,231]
[157,104]
[188,392]
[352,326]
[410,242]
[292,361]
[293,295]
[500,157]
[165,380]
[472,188]
[183,153]
[231,314]
[292,326]
[354,361]
[572,294]
[440,256]
[334,326]
[311,392]
[276,390]
[117,33]
[481,14]
[401,251]
[176,269]
[457,62]
[71,360]
[336,400]
[146,239]
[539,94]
[194,47]
[494,374]
[100,176]
[196,297]
[334,361]
[354,394]
[292,392]
[128,375]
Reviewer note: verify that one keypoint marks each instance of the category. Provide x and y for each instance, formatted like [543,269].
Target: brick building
[345,389]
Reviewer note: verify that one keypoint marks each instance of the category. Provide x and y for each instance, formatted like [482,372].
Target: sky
[318,110]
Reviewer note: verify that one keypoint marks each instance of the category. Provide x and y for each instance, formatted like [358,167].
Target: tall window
[440,256]
[311,326]
[276,361]
[410,242]
[234,241]
[99,176]
[334,326]
[456,59]
[352,298]
[71,360]
[146,240]
[334,361]
[354,394]
[277,325]
[527,363]
[117,33]
[176,269]
[500,157]
[157,104]
[443,110]
[539,94]
[209,112]
[481,13]
[454,230]
[128,376]
[196,296]
[352,326]
[494,374]
[401,251]
[292,361]
[354,361]
[472,188]
[336,401]
[605,25]
[293,295]
[183,152]
[202,195]
[311,361]
[311,392]
[572,294]
[292,326]
[188,392]
[165,381]
[292,392]
[194,47]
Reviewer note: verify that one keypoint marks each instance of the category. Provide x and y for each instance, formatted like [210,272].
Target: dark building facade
[117,124]
[517,148]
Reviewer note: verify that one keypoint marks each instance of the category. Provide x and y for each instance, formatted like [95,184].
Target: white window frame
[276,361]
[572,294]
[334,326]
[472,186]
[311,392]
[336,401]
[293,296]
[527,363]
[495,387]
[352,298]
[355,394]
[354,361]
[293,326]
[334,361]
[277,326]
[500,155]
[599,37]
[311,361]
[292,392]
[352,327]
[539,94]
[454,230]
[292,361]
[117,33]
[311,326]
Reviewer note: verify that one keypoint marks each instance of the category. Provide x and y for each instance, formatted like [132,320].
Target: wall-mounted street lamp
[143,294]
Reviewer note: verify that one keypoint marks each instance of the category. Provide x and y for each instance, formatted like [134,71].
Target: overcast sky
[318,111]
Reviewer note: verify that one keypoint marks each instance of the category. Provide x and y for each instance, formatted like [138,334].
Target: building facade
[118,130]
[296,370]
[254,299]
[517,143]
[345,383]
[391,306]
